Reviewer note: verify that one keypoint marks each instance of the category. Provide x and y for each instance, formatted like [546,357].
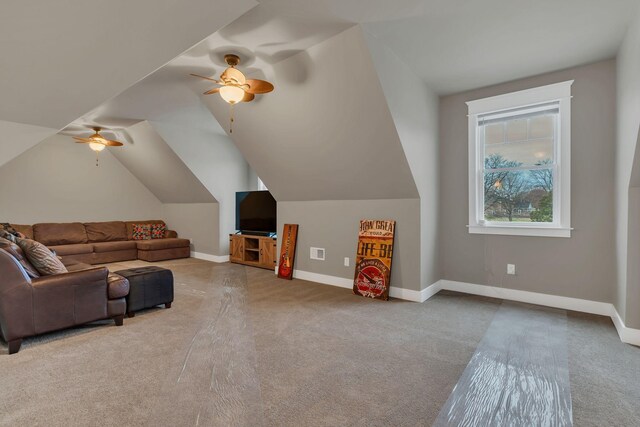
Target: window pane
[519,196]
[542,126]
[527,153]
[517,130]
[494,133]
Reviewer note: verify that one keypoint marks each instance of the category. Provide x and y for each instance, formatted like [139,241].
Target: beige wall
[195,221]
[414,109]
[57,180]
[627,178]
[582,266]
[333,225]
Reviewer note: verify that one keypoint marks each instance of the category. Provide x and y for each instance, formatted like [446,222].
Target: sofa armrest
[74,278]
[170,234]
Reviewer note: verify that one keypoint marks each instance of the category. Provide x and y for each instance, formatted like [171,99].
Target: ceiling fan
[235,87]
[97,142]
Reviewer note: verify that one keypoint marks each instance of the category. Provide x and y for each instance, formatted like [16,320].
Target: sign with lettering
[373,258]
[288,251]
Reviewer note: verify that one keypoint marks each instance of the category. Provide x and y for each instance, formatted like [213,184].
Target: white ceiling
[456,45]
[59,59]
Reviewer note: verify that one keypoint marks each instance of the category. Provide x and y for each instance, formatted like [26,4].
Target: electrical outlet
[346,261]
[511,269]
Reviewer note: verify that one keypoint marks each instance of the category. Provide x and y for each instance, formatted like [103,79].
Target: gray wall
[325,132]
[627,179]
[57,180]
[414,109]
[582,266]
[212,157]
[195,221]
[333,225]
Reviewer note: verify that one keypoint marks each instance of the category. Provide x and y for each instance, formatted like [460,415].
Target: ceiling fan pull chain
[97,158]
[231,120]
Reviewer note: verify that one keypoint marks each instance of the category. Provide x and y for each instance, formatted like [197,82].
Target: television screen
[256,211]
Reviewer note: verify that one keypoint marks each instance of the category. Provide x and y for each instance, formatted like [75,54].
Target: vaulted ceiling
[326,132]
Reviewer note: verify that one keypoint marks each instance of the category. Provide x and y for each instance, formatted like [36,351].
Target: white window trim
[561,227]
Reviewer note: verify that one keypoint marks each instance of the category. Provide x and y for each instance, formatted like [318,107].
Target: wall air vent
[317,253]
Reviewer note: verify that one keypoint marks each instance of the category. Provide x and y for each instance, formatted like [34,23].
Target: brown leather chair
[33,306]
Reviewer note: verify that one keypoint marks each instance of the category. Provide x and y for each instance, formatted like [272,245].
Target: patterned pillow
[141,232]
[6,235]
[17,253]
[41,257]
[9,229]
[158,230]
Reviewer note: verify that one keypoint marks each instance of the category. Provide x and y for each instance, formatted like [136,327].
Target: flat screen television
[256,212]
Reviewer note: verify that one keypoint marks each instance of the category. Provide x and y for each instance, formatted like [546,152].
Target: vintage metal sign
[373,258]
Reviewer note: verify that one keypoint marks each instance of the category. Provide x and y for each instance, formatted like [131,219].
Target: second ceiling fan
[234,86]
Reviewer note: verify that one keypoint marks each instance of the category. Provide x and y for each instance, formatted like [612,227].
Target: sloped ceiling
[325,133]
[456,46]
[16,138]
[60,59]
[155,164]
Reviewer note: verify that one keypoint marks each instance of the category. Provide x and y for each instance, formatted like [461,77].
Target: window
[519,163]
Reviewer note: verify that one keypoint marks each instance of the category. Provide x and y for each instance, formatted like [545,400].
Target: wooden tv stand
[256,251]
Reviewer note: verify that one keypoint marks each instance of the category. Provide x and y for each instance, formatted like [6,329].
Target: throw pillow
[9,228]
[41,257]
[6,235]
[17,253]
[141,232]
[158,231]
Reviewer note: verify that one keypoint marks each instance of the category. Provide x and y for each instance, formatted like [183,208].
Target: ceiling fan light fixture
[232,94]
[97,146]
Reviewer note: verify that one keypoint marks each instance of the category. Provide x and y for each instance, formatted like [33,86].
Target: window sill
[520,230]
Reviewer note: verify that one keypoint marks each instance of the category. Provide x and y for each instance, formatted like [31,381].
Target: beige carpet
[241,347]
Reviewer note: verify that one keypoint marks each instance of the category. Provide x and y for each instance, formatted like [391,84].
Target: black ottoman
[148,287]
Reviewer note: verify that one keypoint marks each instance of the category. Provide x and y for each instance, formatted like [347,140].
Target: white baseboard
[626,334]
[208,257]
[566,303]
[341,282]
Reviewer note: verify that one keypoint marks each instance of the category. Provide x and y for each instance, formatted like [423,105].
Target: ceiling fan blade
[203,77]
[248,97]
[111,143]
[232,75]
[82,140]
[259,86]
[214,90]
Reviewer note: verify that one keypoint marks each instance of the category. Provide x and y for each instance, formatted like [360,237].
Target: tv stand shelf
[256,251]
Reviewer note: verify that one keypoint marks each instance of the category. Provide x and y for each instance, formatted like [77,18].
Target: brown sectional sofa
[104,242]
[34,306]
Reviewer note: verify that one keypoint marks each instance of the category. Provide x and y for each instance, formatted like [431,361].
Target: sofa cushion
[152,245]
[112,231]
[14,250]
[74,265]
[130,224]
[53,234]
[41,257]
[25,230]
[113,246]
[118,286]
[141,231]
[78,248]
[158,231]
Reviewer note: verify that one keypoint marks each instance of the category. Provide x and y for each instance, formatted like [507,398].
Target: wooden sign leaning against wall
[288,251]
[373,258]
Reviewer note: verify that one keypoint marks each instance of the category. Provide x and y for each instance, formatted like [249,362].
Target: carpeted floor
[241,347]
